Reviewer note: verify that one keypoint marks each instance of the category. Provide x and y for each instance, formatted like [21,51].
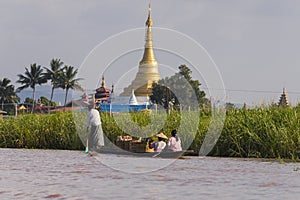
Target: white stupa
[132,99]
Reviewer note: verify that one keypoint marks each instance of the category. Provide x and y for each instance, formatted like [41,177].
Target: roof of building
[283,101]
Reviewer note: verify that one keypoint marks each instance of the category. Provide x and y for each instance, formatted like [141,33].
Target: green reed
[267,133]
[53,131]
[260,132]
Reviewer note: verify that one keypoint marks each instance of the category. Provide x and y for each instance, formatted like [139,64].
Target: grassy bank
[260,133]
[53,131]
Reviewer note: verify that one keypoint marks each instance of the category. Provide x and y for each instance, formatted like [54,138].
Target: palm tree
[31,79]
[7,92]
[53,74]
[68,80]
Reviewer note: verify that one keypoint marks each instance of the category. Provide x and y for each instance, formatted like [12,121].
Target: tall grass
[260,132]
[267,133]
[54,131]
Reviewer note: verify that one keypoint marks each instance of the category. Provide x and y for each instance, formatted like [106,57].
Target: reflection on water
[48,174]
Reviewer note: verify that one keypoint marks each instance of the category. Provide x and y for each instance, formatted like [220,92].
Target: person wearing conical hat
[160,144]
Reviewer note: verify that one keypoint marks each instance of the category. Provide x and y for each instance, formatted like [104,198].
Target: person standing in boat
[174,142]
[93,122]
[160,144]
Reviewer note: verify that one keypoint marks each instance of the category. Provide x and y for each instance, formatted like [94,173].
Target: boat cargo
[125,145]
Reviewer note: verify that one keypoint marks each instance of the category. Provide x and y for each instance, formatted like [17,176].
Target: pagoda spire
[148,51]
[148,67]
[149,21]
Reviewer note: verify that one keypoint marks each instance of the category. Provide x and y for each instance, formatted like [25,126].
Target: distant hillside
[45,90]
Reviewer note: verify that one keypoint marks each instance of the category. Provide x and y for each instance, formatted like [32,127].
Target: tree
[53,74]
[229,106]
[7,93]
[31,78]
[179,90]
[46,101]
[68,80]
[195,84]
[28,102]
[162,94]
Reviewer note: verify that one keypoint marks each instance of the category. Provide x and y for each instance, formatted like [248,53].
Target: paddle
[87,144]
[155,155]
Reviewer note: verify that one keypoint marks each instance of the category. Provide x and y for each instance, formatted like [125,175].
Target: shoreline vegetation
[265,132]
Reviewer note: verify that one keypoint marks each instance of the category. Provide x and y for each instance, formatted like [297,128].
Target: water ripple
[51,174]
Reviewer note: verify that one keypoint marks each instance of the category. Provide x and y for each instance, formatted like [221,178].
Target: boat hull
[164,154]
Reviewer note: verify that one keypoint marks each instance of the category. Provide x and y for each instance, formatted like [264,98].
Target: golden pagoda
[283,101]
[148,68]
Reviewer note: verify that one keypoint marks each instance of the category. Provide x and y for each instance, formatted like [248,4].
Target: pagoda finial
[149,22]
[103,84]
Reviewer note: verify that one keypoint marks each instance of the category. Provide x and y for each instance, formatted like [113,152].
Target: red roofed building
[103,93]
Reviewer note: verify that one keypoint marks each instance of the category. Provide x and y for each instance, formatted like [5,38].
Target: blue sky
[255,43]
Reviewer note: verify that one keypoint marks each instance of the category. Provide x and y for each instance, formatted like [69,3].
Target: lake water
[49,174]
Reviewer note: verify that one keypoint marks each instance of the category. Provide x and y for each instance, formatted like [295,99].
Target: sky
[254,44]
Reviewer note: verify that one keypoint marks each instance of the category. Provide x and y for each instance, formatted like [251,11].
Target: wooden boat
[139,148]
[164,154]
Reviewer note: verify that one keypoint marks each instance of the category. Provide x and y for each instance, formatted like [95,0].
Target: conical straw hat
[161,135]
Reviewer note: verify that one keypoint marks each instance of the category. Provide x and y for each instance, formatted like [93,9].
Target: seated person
[160,144]
[174,142]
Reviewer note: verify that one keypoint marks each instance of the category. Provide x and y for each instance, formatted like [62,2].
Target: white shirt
[93,118]
[159,146]
[174,145]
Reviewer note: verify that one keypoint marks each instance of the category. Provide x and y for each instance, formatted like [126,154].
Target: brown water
[48,174]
